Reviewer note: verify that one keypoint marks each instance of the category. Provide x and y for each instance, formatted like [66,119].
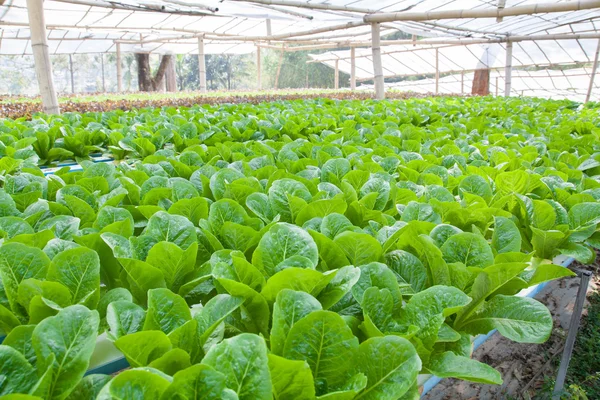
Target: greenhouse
[299,200]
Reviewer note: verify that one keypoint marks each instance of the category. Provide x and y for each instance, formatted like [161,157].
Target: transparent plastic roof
[492,27]
[554,84]
[93,26]
[407,60]
[61,41]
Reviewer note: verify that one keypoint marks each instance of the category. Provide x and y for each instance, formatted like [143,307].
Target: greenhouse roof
[408,60]
[548,83]
[232,26]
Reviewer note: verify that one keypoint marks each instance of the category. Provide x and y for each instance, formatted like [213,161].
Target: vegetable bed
[290,250]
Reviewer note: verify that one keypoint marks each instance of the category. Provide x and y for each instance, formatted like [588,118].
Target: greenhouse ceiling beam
[134,7]
[320,45]
[283,36]
[210,35]
[368,55]
[241,38]
[466,71]
[159,40]
[311,6]
[445,28]
[286,11]
[324,38]
[194,5]
[63,39]
[120,29]
[540,8]
[454,42]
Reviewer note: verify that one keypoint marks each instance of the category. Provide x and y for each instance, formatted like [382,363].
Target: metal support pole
[269,27]
[258,71]
[572,335]
[336,84]
[71,71]
[201,64]
[462,82]
[377,67]
[594,68]
[352,68]
[437,71]
[508,69]
[103,80]
[119,69]
[496,86]
[41,56]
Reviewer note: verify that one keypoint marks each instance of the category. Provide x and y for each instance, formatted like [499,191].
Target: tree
[229,71]
[481,82]
[128,75]
[187,72]
[297,73]
[148,82]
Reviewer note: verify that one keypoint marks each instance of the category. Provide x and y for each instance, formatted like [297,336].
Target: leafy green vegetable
[297,249]
[243,361]
[391,364]
[65,343]
[323,339]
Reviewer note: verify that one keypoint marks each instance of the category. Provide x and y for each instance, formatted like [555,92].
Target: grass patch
[583,377]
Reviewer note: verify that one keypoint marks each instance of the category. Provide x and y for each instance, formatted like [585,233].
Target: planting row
[260,252]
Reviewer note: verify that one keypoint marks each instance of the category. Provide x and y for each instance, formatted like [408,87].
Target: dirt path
[524,367]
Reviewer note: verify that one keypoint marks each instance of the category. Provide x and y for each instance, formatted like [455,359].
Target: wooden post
[594,68]
[437,71]
[462,82]
[71,71]
[41,56]
[103,80]
[201,64]
[508,69]
[352,68]
[119,69]
[336,84]
[258,71]
[377,67]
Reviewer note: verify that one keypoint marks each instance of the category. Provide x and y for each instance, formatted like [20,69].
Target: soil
[524,367]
